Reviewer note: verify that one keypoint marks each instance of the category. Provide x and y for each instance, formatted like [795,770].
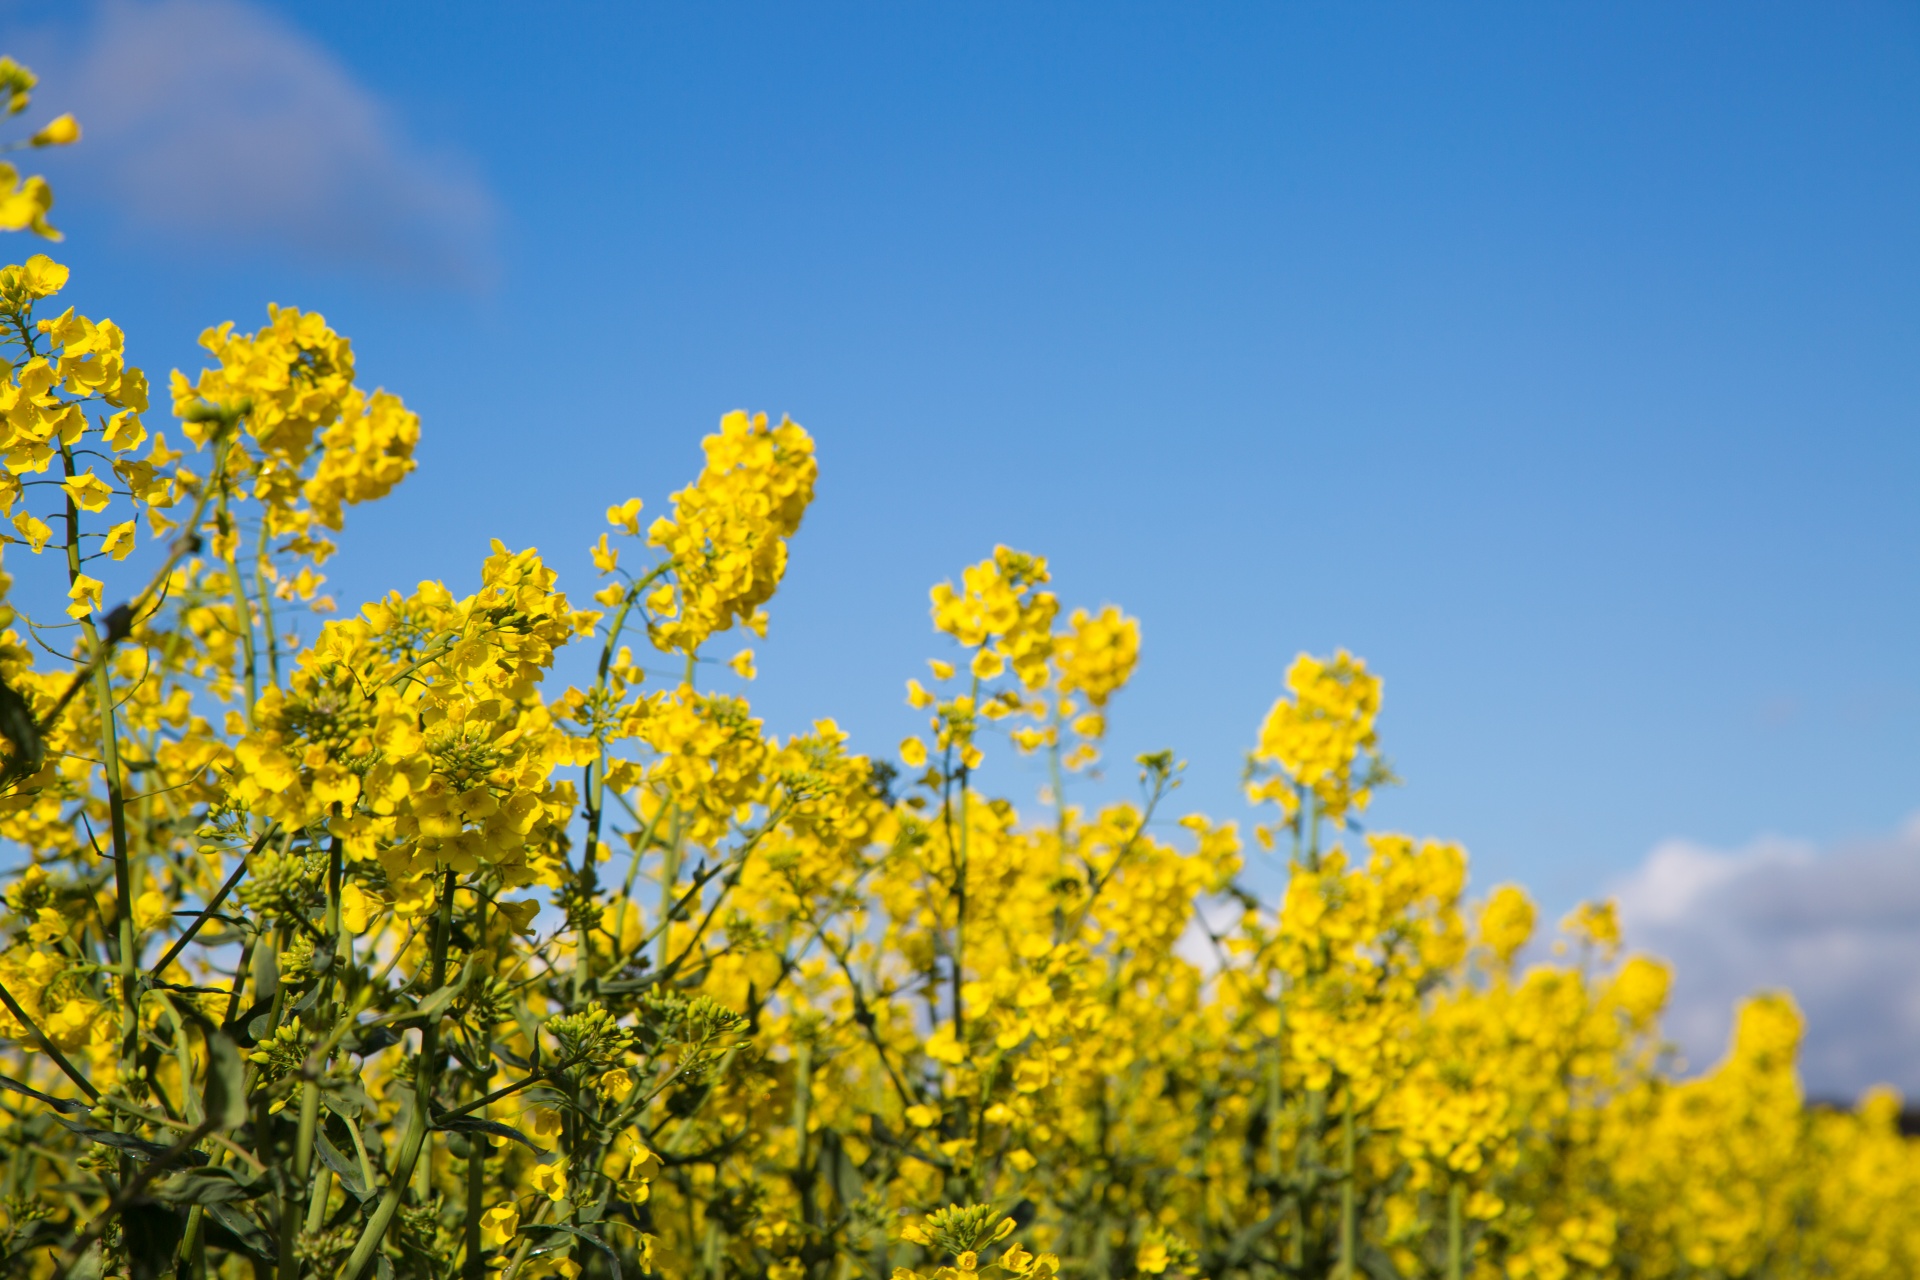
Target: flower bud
[60,131]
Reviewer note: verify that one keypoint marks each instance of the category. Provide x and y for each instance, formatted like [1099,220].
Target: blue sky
[1560,360]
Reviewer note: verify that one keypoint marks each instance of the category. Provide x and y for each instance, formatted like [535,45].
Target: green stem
[960,894]
[589,872]
[1273,1112]
[1346,1189]
[476,1264]
[419,1117]
[669,881]
[1456,1229]
[266,606]
[478,1144]
[244,606]
[376,1228]
[803,1173]
[213,904]
[292,1206]
[190,1244]
[116,796]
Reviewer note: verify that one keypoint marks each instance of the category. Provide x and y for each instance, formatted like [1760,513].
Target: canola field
[366,946]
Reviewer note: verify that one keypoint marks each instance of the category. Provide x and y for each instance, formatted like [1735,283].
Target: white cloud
[218,123]
[1839,928]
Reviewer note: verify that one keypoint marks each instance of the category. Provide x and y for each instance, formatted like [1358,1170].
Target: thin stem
[266,605]
[160,966]
[669,877]
[1456,1204]
[419,1117]
[292,1208]
[1346,1188]
[244,606]
[116,795]
[960,893]
[478,1144]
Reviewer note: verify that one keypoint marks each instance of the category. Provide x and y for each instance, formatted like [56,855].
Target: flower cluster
[727,535]
[1311,742]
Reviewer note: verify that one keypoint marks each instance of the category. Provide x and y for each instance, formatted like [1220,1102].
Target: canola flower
[356,946]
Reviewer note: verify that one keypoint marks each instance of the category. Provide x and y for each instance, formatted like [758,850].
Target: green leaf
[151,1233]
[18,727]
[65,1106]
[1377,1263]
[246,1236]
[226,1096]
[839,1171]
[474,1124]
[434,1002]
[346,1170]
[345,1099]
[127,1142]
[211,1185]
[613,1259]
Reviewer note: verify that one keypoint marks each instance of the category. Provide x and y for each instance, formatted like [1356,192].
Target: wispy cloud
[218,123]
[1838,927]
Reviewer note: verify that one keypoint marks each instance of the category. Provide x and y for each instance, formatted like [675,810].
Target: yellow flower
[356,907]
[17,83]
[1597,923]
[742,664]
[913,753]
[124,432]
[1507,922]
[1097,655]
[625,517]
[119,540]
[24,204]
[49,926]
[606,558]
[921,1116]
[42,277]
[727,536]
[151,910]
[999,600]
[58,132]
[943,1046]
[499,1224]
[550,1180]
[85,595]
[34,531]
[1313,740]
[1641,988]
